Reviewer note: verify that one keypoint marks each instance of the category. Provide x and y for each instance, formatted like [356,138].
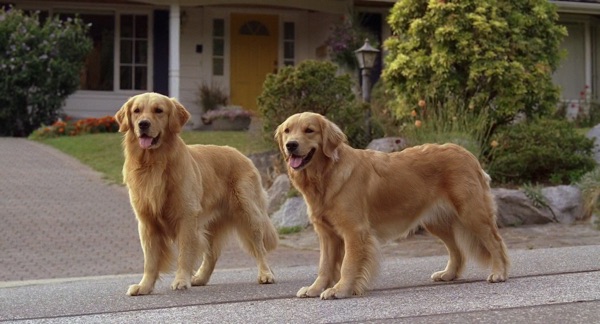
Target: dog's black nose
[291,146]
[144,124]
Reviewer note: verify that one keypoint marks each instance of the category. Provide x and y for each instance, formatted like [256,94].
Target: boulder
[292,213]
[277,193]
[268,164]
[388,144]
[565,205]
[514,208]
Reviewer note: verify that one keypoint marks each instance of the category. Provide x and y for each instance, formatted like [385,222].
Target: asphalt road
[560,285]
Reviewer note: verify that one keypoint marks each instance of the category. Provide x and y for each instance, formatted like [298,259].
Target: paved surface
[69,249]
[59,219]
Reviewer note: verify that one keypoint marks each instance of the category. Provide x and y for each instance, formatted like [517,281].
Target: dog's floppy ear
[122,116]
[332,138]
[278,137]
[179,116]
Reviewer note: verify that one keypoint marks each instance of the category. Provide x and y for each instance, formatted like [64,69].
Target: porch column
[174,34]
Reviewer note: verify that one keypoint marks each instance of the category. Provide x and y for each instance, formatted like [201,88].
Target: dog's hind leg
[215,236]
[456,260]
[488,247]
[251,237]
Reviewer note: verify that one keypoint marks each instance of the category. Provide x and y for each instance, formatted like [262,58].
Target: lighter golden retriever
[190,196]
[356,198]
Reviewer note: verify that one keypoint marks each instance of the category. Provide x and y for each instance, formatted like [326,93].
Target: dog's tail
[270,236]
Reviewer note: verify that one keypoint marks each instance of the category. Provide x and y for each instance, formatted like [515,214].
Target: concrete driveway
[69,249]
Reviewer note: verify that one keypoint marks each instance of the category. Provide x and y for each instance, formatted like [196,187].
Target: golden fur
[357,197]
[190,195]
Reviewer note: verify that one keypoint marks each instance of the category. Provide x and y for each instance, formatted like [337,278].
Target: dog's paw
[443,276]
[200,280]
[496,277]
[305,292]
[266,278]
[180,284]
[137,290]
[333,293]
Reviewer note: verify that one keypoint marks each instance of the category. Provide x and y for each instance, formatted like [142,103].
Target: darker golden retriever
[190,195]
[357,197]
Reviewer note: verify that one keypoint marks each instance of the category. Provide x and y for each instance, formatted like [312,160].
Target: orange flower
[418,123]
[413,113]
[422,103]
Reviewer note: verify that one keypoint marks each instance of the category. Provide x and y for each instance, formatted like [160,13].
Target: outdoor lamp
[366,56]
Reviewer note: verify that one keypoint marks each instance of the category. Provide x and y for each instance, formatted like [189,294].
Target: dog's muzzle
[295,160]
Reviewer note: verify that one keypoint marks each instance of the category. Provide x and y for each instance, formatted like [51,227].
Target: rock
[292,213]
[595,134]
[277,193]
[388,144]
[514,208]
[566,203]
[268,164]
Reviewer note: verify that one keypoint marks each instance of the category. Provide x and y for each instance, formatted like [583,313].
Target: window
[289,36]
[254,28]
[97,72]
[133,65]
[218,51]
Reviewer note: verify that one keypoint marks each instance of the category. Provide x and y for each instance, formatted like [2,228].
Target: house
[174,46]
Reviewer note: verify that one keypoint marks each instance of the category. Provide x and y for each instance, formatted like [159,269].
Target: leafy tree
[40,65]
[312,86]
[472,58]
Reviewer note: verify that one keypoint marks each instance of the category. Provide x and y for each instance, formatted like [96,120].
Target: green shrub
[211,97]
[40,64]
[468,58]
[589,184]
[542,151]
[312,86]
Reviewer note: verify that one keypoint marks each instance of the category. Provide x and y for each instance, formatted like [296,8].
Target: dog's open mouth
[147,141]
[297,161]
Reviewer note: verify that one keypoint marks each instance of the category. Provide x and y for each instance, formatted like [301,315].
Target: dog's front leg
[152,246]
[189,242]
[331,247]
[359,265]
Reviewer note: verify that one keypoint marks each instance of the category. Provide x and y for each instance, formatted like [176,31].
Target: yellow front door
[253,56]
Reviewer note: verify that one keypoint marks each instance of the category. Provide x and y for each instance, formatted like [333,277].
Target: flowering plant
[346,37]
[69,127]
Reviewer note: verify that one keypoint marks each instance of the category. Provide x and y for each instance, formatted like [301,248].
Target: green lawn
[103,152]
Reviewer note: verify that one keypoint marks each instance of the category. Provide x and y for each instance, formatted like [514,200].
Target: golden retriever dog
[357,198]
[188,196]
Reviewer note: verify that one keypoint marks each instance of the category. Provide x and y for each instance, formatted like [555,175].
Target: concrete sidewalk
[69,249]
[560,285]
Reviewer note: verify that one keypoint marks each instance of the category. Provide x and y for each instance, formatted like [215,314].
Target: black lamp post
[366,56]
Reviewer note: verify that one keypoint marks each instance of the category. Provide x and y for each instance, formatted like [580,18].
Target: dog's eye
[287,130]
[136,110]
[308,131]
[158,110]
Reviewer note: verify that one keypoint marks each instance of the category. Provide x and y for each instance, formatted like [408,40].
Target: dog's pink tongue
[145,142]
[295,161]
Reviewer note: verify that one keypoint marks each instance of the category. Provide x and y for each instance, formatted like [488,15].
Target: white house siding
[193,32]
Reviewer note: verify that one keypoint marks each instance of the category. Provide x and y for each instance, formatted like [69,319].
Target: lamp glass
[366,56]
